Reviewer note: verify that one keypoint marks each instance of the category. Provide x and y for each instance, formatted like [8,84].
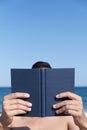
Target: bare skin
[35,123]
[12,105]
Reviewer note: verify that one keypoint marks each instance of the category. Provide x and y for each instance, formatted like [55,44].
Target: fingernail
[27,95]
[57,96]
[29,109]
[54,106]
[57,111]
[30,104]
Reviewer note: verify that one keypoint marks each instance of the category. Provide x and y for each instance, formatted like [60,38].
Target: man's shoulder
[71,123]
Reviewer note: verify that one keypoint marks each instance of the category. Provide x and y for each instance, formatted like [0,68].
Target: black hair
[41,64]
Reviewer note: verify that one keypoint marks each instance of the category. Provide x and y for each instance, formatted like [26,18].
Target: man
[13,105]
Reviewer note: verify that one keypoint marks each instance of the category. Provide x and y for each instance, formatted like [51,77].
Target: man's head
[41,64]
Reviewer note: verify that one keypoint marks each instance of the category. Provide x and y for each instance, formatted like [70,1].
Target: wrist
[3,123]
[2,126]
[84,124]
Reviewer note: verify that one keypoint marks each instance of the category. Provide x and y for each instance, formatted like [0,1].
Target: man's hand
[14,105]
[73,107]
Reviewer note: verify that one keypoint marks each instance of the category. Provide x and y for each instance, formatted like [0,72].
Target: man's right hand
[14,105]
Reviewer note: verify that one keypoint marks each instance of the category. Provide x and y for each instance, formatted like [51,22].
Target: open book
[42,85]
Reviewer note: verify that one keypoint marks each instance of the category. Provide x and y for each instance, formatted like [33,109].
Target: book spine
[43,93]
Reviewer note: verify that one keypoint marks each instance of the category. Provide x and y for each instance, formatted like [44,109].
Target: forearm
[2,127]
[83,126]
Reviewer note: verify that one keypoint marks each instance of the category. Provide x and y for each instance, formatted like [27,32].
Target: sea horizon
[74,85]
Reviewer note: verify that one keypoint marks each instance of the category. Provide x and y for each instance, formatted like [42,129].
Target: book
[42,85]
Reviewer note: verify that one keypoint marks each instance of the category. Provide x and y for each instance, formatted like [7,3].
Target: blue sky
[48,30]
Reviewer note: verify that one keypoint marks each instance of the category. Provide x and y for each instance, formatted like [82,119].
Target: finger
[16,95]
[16,112]
[67,102]
[69,95]
[17,107]
[70,112]
[73,113]
[69,107]
[17,101]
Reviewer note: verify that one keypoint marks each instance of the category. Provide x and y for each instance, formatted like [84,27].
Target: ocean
[82,91]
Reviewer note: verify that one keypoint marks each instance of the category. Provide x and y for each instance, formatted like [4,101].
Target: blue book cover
[42,85]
